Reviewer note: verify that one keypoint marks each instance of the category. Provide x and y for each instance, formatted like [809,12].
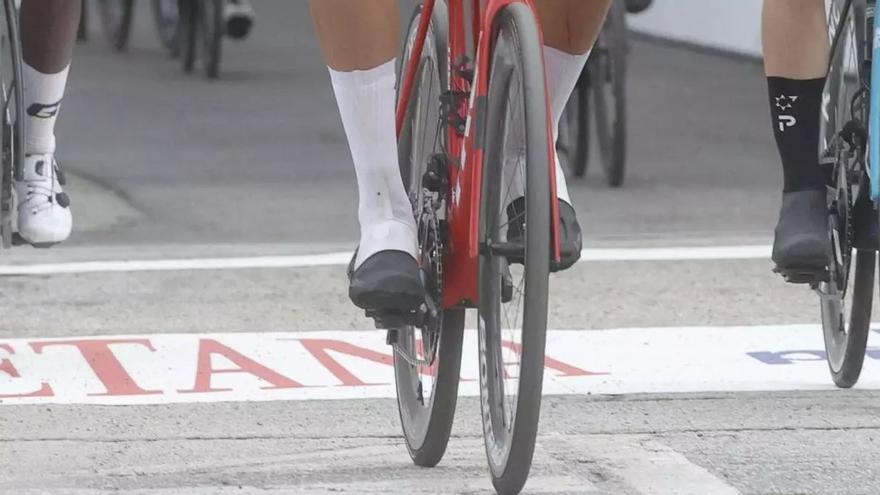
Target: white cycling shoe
[44,216]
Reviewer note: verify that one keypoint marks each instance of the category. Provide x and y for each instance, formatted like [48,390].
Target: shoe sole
[386,300]
[803,274]
[18,240]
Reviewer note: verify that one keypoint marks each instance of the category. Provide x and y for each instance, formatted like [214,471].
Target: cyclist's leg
[360,43]
[48,31]
[795,59]
[570,30]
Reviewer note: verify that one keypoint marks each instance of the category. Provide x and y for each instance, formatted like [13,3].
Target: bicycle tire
[427,421]
[516,101]
[116,17]
[12,137]
[608,77]
[845,331]
[166,17]
[212,27]
[82,30]
[573,142]
[188,10]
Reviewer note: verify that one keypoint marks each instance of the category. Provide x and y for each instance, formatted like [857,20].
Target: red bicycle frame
[466,149]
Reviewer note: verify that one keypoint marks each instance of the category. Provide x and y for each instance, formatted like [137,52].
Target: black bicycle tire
[167,32]
[611,136]
[861,281]
[211,14]
[117,31]
[573,142]
[510,463]
[82,30]
[427,442]
[859,321]
[188,33]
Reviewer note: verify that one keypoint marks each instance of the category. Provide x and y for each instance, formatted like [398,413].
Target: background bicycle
[192,30]
[598,106]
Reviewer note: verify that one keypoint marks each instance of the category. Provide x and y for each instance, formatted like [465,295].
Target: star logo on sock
[784,103]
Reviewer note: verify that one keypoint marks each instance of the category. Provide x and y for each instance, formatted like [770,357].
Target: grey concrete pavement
[171,165]
[756,443]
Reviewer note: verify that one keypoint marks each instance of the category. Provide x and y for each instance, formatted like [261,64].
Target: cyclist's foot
[239,16]
[800,249]
[571,239]
[387,281]
[44,216]
[636,6]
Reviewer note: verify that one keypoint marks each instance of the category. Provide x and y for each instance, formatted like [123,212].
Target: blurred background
[165,157]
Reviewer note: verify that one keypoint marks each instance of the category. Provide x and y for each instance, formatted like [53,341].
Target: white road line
[650,467]
[342,258]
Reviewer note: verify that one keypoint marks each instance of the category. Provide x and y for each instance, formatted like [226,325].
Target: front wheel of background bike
[166,17]
[211,27]
[116,17]
[514,261]
[188,34]
[608,78]
[427,390]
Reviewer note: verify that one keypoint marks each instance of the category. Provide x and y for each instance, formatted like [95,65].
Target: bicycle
[475,157]
[604,81]
[12,132]
[190,29]
[848,130]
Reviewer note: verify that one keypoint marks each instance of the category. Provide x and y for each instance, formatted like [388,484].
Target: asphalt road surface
[194,335]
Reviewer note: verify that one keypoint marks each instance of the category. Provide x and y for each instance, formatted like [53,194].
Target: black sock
[794,107]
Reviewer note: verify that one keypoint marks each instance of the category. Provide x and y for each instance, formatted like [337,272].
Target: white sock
[366,105]
[42,96]
[563,71]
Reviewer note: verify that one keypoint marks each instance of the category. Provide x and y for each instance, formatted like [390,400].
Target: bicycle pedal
[810,276]
[393,320]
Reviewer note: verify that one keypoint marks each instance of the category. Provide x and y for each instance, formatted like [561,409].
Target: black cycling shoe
[387,281]
[239,15]
[571,239]
[801,246]
[636,6]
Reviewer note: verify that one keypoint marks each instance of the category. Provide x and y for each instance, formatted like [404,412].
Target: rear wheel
[608,77]
[427,359]
[211,27]
[12,121]
[116,16]
[514,260]
[846,298]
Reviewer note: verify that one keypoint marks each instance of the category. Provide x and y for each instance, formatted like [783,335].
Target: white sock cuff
[42,86]
[42,94]
[380,75]
[563,71]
